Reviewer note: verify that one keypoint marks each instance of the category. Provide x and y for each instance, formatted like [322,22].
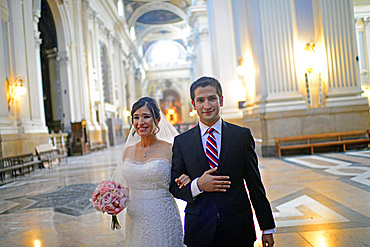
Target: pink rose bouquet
[110,197]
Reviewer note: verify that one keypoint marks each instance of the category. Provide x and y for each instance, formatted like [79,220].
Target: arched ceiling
[155,20]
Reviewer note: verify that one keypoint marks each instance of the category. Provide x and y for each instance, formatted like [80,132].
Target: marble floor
[318,200]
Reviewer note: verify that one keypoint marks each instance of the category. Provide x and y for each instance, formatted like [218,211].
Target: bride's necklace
[147,150]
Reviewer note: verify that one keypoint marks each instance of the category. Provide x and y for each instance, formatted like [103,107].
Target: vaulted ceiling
[158,20]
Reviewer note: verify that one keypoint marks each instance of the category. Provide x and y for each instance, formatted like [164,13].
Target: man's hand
[182,181]
[210,183]
[267,240]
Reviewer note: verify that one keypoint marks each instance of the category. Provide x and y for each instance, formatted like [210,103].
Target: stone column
[200,40]
[80,34]
[272,40]
[19,61]
[64,71]
[367,48]
[36,91]
[55,89]
[224,55]
[7,125]
[344,87]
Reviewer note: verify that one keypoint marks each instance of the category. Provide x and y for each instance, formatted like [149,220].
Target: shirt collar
[217,126]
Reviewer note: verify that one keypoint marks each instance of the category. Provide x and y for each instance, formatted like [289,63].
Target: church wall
[282,106]
[80,26]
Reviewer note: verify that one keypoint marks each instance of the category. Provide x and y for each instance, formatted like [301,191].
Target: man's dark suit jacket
[237,160]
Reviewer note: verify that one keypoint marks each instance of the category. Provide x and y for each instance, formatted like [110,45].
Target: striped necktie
[211,149]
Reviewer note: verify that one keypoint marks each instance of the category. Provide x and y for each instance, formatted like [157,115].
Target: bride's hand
[183,180]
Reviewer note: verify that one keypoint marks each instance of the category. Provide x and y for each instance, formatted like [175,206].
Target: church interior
[295,72]
[72,69]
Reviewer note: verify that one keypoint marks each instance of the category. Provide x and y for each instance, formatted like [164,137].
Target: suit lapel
[226,140]
[198,148]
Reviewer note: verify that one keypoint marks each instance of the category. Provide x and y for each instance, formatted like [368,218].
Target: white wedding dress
[152,217]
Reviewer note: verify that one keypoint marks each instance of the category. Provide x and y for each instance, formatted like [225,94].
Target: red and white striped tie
[211,149]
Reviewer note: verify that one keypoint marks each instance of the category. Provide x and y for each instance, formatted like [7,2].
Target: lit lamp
[309,56]
[309,64]
[15,89]
[171,115]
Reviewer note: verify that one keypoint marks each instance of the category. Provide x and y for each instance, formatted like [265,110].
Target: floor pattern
[317,200]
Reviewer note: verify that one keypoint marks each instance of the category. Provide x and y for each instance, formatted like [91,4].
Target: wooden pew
[15,165]
[47,154]
[98,145]
[311,142]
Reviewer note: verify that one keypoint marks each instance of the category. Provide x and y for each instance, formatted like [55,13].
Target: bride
[151,217]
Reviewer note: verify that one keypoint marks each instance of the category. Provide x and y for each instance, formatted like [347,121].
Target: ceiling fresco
[158,16]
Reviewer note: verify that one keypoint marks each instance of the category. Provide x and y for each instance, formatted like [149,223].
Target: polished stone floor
[318,200]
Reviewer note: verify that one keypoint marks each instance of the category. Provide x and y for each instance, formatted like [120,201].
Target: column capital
[366,20]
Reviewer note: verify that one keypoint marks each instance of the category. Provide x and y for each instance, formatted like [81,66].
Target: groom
[220,162]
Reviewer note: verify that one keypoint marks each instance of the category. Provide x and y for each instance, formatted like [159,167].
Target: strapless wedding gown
[152,217]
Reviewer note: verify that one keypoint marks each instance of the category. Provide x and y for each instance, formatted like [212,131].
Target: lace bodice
[149,175]
[152,217]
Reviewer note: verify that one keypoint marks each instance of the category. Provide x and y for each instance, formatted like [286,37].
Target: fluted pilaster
[277,31]
[338,30]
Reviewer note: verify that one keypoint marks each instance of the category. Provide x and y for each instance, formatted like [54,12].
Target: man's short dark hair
[203,82]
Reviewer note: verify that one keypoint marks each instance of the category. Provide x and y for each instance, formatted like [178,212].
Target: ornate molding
[36,32]
[366,20]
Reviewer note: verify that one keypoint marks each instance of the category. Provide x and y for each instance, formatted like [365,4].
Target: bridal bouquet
[110,197]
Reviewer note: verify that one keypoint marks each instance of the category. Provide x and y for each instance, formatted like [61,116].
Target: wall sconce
[309,56]
[15,89]
[241,69]
[312,80]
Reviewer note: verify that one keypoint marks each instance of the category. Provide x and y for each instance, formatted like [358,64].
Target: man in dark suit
[220,162]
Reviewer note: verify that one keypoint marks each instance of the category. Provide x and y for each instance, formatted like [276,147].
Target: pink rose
[107,198]
[103,190]
[115,202]
[94,196]
[110,186]
[97,206]
[109,208]
[117,210]
[118,193]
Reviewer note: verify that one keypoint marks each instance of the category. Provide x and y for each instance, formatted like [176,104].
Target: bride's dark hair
[152,106]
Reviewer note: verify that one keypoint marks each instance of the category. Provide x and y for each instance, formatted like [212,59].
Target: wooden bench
[29,161]
[8,165]
[47,154]
[16,165]
[310,142]
[98,145]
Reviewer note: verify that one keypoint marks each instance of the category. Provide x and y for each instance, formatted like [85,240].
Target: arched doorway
[171,106]
[49,67]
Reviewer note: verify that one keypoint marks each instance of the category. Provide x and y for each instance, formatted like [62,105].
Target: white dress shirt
[204,134]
